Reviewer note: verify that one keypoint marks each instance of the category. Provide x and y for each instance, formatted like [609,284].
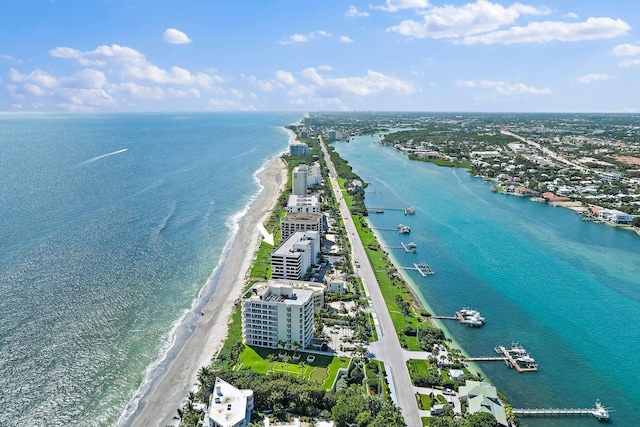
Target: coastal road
[387,348]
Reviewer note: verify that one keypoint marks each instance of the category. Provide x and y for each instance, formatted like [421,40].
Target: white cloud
[173,36]
[129,64]
[304,38]
[371,83]
[396,5]
[627,49]
[85,89]
[588,78]
[137,91]
[630,63]
[285,77]
[353,12]
[264,85]
[111,76]
[570,15]
[192,93]
[346,39]
[504,88]
[548,31]
[235,92]
[295,38]
[11,58]
[227,104]
[472,18]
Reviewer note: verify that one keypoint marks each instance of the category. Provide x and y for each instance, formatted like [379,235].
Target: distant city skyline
[404,55]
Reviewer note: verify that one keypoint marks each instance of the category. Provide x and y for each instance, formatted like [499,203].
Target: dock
[408,247]
[401,228]
[377,209]
[423,268]
[485,359]
[472,318]
[514,357]
[599,411]
[521,356]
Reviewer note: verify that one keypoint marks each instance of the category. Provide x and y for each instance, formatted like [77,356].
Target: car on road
[448,392]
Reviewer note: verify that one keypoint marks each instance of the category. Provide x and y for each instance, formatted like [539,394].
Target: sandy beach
[158,406]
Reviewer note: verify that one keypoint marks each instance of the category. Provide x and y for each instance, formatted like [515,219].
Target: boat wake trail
[86,162]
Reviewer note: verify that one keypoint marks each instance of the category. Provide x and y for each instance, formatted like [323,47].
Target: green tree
[482,419]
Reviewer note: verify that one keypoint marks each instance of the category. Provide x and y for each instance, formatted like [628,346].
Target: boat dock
[472,318]
[423,268]
[516,356]
[599,411]
[407,211]
[401,228]
[408,247]
[485,359]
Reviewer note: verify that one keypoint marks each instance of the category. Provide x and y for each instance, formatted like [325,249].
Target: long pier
[554,411]
[407,211]
[599,411]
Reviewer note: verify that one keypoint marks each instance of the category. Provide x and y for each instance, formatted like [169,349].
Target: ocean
[567,290]
[111,226]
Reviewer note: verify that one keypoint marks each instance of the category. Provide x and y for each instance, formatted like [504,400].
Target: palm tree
[286,361]
[297,346]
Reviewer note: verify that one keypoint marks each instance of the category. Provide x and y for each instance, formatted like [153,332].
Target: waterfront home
[483,397]
[615,216]
[229,406]
[525,192]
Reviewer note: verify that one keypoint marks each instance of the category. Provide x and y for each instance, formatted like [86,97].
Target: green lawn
[418,367]
[323,369]
[424,402]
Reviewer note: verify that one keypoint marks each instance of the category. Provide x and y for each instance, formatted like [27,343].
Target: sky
[320,55]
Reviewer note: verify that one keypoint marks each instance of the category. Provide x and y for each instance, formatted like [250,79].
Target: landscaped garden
[320,368]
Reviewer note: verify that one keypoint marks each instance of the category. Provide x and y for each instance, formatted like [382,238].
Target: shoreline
[157,403]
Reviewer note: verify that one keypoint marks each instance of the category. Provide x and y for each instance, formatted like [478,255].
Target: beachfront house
[229,406]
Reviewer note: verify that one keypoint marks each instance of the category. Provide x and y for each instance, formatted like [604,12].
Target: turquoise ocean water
[110,227]
[567,290]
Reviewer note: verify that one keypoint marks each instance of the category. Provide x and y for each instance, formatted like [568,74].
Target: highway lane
[387,348]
